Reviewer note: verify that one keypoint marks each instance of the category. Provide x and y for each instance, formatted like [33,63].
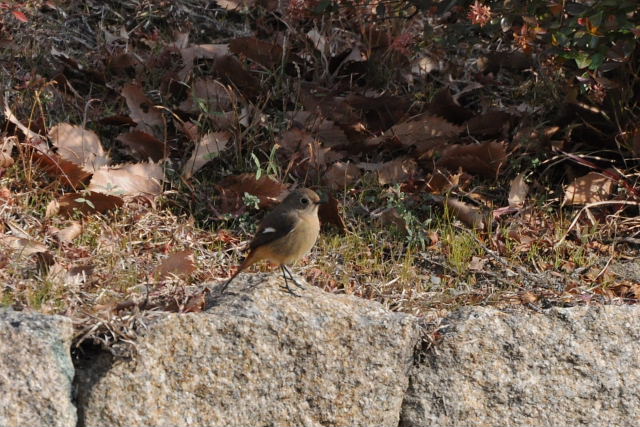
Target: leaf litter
[306,105]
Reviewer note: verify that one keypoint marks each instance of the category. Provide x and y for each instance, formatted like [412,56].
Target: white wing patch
[268,230]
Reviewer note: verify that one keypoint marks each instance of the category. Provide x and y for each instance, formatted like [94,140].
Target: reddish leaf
[145,146]
[329,213]
[443,105]
[180,264]
[490,124]
[267,189]
[86,203]
[55,166]
[20,16]
[264,53]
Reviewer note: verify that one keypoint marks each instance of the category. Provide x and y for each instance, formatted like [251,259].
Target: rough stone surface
[36,371]
[259,356]
[566,366]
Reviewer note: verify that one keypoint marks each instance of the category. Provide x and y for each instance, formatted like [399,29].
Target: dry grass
[107,278]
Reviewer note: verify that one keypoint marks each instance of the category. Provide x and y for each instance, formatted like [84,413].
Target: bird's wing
[274,226]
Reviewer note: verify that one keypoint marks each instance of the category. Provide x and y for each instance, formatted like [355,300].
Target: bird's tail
[250,259]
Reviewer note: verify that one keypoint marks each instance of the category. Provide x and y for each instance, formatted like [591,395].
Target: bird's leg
[293,279]
[286,282]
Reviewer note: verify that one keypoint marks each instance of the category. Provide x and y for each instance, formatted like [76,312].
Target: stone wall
[259,356]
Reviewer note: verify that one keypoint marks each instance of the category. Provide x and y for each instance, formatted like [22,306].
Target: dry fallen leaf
[143,111]
[69,173]
[341,175]
[477,263]
[21,245]
[6,147]
[202,51]
[329,213]
[208,148]
[590,188]
[468,214]
[264,53]
[489,124]
[144,145]
[131,179]
[390,217]
[397,171]
[83,202]
[518,191]
[266,189]
[79,146]
[180,264]
[440,182]
[484,159]
[67,234]
[210,96]
[426,133]
[528,297]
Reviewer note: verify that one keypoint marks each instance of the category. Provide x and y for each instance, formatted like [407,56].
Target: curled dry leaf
[484,159]
[79,146]
[590,188]
[142,109]
[397,171]
[341,175]
[208,148]
[132,179]
[266,189]
[87,203]
[144,145]
[180,264]
[518,191]
[6,147]
[67,234]
[468,214]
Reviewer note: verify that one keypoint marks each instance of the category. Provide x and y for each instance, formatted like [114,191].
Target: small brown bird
[285,234]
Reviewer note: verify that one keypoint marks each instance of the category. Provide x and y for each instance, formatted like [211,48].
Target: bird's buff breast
[294,245]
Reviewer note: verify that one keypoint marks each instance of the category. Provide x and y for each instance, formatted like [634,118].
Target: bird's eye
[304,201]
